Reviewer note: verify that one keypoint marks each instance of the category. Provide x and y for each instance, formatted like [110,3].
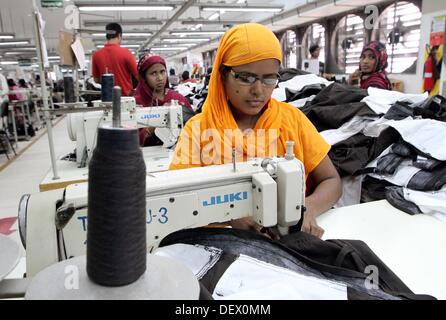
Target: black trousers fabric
[351,156]
[341,260]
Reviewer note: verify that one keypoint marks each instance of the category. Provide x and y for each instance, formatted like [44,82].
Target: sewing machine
[82,128]
[53,224]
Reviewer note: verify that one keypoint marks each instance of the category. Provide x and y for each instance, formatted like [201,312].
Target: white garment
[374,128]
[347,130]
[252,279]
[428,136]
[351,191]
[431,203]
[301,102]
[380,100]
[199,259]
[296,84]
[186,89]
[402,175]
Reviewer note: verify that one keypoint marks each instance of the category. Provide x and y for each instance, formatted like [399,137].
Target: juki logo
[231,197]
[151,116]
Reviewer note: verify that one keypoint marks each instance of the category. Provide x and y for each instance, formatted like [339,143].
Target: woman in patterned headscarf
[153,90]
[240,113]
[372,65]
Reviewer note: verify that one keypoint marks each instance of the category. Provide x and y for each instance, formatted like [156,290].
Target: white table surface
[413,247]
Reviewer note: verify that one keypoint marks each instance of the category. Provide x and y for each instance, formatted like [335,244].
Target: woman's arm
[327,192]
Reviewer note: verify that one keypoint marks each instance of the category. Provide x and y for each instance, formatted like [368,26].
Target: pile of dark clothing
[395,150]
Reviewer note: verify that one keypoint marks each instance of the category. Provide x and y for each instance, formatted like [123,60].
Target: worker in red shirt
[116,60]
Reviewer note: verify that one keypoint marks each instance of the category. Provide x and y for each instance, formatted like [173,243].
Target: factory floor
[23,174]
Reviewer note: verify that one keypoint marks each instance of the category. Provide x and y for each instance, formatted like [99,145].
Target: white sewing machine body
[272,195]
[82,127]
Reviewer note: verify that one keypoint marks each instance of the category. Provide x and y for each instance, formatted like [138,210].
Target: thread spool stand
[162,278]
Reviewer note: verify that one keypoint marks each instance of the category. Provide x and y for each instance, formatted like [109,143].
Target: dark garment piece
[399,111]
[289,73]
[305,92]
[395,197]
[389,163]
[427,164]
[351,156]
[420,159]
[341,260]
[432,108]
[338,93]
[336,105]
[187,114]
[429,181]
[374,189]
[404,149]
[334,116]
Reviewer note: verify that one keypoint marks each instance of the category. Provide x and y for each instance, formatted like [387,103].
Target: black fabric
[336,105]
[374,189]
[351,156]
[427,164]
[395,197]
[302,250]
[210,279]
[389,163]
[358,256]
[338,93]
[305,92]
[433,108]
[289,73]
[399,111]
[334,116]
[403,149]
[429,181]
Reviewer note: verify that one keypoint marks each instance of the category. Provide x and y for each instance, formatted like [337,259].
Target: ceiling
[187,15]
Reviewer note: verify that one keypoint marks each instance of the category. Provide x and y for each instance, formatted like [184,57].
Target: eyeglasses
[248,79]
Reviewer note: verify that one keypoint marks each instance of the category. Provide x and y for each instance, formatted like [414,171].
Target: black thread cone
[116,230]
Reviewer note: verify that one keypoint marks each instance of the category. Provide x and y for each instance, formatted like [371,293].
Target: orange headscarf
[241,45]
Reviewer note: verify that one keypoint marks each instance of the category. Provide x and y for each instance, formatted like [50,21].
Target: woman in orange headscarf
[240,113]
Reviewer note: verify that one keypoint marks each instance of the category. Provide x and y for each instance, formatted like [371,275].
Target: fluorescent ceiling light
[168,48]
[6,36]
[8,62]
[54,58]
[185,39]
[180,44]
[214,16]
[126,34]
[123,22]
[13,53]
[90,8]
[243,9]
[123,45]
[191,33]
[13,43]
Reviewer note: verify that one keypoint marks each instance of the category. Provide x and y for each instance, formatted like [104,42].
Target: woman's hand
[249,224]
[310,226]
[354,76]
